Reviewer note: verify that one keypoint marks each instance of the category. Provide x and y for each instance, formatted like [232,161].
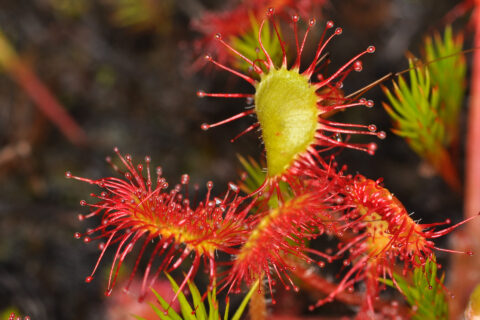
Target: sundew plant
[316,224]
[268,221]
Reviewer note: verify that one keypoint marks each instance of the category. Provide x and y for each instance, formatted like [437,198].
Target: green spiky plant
[448,74]
[424,292]
[425,110]
[247,44]
[197,311]
[254,177]
[254,174]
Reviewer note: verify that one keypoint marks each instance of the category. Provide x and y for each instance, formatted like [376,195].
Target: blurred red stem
[46,102]
[258,306]
[472,166]
[465,273]
[313,281]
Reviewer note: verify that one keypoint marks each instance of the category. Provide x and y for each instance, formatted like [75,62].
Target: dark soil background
[135,88]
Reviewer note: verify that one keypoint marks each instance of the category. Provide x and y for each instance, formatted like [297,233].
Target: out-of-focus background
[127,71]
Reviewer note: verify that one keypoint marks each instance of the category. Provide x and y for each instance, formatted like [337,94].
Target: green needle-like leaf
[255,174]
[187,311]
[425,109]
[247,45]
[198,311]
[425,292]
[255,178]
[244,303]
[171,313]
[225,317]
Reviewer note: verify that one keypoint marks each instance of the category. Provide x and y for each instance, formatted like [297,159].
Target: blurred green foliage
[142,15]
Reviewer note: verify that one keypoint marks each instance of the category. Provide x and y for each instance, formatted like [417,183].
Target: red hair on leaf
[291,106]
[280,230]
[134,210]
[384,233]
[275,235]
[236,22]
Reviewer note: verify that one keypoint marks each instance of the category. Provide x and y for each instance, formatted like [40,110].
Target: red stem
[46,102]
[465,271]
[320,285]
[472,176]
